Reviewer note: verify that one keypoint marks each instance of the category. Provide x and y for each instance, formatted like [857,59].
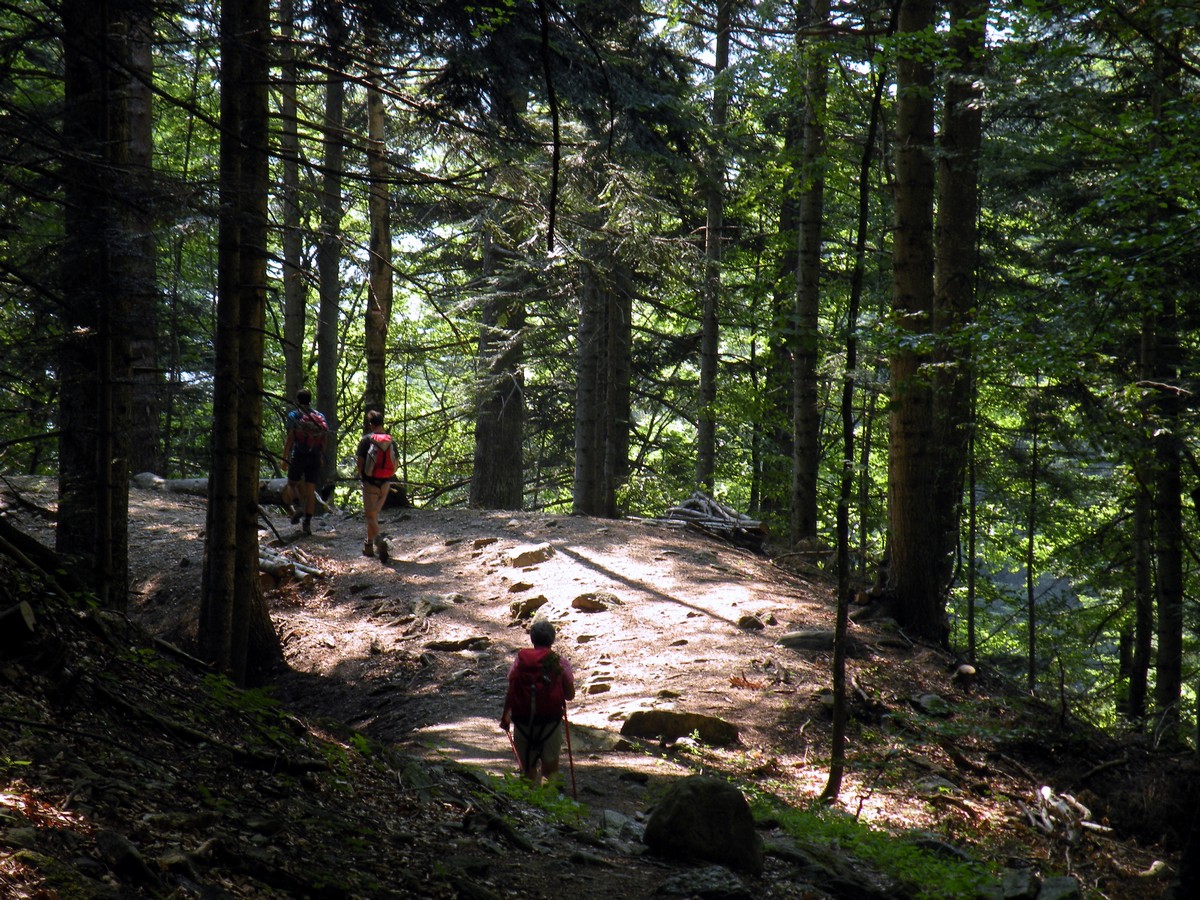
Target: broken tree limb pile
[710,516]
[276,570]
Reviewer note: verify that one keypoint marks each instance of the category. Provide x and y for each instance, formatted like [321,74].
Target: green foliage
[547,796]
[926,874]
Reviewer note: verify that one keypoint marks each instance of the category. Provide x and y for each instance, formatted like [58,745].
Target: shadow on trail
[641,586]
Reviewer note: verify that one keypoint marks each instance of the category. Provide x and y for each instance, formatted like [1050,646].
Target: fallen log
[270,490]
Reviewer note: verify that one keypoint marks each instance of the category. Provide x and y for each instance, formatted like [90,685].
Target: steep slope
[113,744]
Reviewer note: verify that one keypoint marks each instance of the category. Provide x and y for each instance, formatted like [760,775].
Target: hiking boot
[368,549]
[381,546]
[296,517]
[308,525]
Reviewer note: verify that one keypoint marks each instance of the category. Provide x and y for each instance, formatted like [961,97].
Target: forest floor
[413,652]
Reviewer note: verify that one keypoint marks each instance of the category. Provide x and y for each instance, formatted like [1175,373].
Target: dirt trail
[648,615]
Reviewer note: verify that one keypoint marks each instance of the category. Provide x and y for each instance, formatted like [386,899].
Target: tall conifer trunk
[235,633]
[146,376]
[497,479]
[710,329]
[292,239]
[806,415]
[954,276]
[914,540]
[329,249]
[94,360]
[379,293]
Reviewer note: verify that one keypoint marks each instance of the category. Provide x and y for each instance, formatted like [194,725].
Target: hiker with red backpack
[304,455]
[376,455]
[540,683]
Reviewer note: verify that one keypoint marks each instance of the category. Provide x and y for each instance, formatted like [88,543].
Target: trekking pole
[570,756]
[513,744]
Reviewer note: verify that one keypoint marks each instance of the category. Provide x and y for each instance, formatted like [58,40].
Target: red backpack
[381,457]
[535,686]
[310,430]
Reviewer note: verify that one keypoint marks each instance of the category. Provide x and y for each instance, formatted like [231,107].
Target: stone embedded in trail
[476,642]
[751,623]
[705,818]
[711,882]
[430,606]
[529,555]
[819,640]
[595,601]
[525,608]
[669,725]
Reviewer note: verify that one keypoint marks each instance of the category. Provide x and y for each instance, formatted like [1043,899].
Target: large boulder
[704,818]
[671,725]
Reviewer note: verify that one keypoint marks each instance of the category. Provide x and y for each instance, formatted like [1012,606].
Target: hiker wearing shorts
[304,453]
[376,456]
[539,684]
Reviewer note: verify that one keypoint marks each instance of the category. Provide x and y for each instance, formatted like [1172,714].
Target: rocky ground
[411,655]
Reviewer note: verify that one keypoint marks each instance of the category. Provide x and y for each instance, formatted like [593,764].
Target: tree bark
[914,538]
[954,276]
[94,360]
[602,383]
[710,329]
[1167,447]
[147,374]
[1031,530]
[292,239]
[806,414]
[1168,521]
[379,293]
[497,479]
[236,633]
[1143,559]
[837,739]
[329,249]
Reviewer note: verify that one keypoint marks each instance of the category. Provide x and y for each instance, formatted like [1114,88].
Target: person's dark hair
[304,396]
[542,633]
[374,418]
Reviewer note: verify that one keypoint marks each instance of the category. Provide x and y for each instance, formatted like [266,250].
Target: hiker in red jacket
[539,684]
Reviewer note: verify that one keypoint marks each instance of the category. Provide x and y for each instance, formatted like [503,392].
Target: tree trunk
[710,330]
[94,360]
[217,591]
[379,293]
[588,490]
[1168,521]
[954,276]
[497,480]
[252,623]
[618,378]
[292,239]
[1031,526]
[779,378]
[235,630]
[1166,363]
[602,384]
[1143,568]
[329,252]
[806,414]
[147,377]
[914,540]
[837,738]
